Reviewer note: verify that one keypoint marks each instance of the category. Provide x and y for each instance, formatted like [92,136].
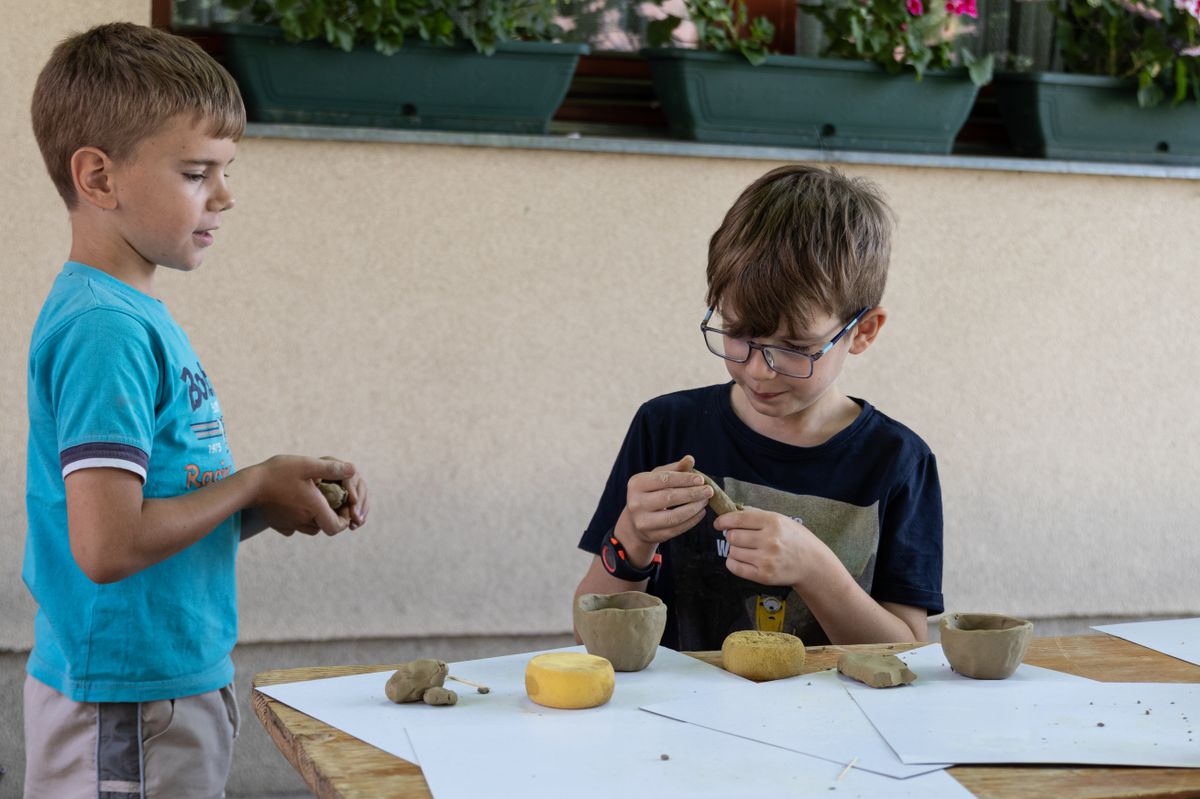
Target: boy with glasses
[839,539]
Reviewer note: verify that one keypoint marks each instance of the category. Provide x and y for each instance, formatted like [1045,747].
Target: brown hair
[113,86]
[800,240]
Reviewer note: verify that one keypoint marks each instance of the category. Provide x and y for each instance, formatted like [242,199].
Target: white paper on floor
[620,755]
[814,715]
[357,705]
[1034,721]
[1179,638]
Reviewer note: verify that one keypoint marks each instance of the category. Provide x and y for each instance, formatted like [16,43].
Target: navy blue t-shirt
[871,493]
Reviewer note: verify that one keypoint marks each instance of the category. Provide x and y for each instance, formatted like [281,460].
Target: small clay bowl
[986,646]
[624,628]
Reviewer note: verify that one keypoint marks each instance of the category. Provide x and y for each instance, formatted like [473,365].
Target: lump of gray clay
[334,494]
[875,669]
[412,680]
[719,501]
[440,696]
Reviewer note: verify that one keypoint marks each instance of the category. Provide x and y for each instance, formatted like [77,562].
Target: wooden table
[338,766]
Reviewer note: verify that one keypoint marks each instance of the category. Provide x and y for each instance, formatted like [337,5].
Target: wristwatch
[616,562]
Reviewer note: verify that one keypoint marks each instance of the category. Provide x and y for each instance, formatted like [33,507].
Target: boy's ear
[867,329]
[91,171]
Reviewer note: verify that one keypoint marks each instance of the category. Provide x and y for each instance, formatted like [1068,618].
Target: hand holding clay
[348,497]
[772,549]
[665,502]
[875,669]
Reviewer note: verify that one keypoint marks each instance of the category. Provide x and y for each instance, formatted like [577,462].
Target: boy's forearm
[123,538]
[847,613]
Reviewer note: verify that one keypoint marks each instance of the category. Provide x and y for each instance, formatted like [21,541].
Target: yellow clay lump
[569,680]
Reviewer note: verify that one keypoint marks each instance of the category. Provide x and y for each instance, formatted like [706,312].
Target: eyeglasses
[784,360]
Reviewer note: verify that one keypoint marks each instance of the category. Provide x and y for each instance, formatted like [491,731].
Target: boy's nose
[757,365]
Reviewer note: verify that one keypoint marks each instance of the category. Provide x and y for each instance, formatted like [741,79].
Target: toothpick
[846,770]
[483,689]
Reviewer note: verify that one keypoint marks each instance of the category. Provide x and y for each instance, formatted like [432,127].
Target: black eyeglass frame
[768,350]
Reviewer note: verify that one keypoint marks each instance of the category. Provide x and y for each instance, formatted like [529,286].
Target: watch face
[608,556]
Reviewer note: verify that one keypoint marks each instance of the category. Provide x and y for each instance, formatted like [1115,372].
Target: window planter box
[797,101]
[1095,118]
[516,90]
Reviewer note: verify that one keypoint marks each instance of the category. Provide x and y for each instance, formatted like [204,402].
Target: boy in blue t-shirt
[840,538]
[135,508]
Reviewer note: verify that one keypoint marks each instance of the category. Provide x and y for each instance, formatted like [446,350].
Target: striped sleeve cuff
[103,454]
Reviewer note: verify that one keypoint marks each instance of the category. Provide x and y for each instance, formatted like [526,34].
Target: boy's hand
[354,510]
[665,502]
[769,548]
[288,498]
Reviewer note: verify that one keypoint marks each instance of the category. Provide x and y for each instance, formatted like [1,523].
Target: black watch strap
[616,562]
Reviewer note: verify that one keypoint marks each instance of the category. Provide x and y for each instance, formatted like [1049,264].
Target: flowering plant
[900,33]
[1155,41]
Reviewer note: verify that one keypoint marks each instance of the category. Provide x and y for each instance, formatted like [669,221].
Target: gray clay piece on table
[410,682]
[623,628]
[985,646]
[875,669]
[439,696]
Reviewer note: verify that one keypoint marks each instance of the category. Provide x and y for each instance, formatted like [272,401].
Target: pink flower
[915,8]
[960,7]
[1190,7]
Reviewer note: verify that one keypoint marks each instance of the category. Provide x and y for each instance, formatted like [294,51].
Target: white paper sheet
[357,705]
[1179,638]
[1034,721]
[814,715]
[501,743]
[619,755]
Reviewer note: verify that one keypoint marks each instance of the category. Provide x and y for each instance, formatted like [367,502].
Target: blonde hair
[798,241]
[113,86]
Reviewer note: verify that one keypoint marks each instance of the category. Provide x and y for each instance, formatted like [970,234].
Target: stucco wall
[476,326]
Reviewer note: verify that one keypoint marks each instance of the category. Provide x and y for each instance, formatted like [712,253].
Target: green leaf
[660,31]
[980,69]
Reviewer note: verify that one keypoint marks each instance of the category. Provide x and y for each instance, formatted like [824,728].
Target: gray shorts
[168,749]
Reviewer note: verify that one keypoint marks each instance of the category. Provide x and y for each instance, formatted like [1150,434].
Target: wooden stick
[483,689]
[846,770]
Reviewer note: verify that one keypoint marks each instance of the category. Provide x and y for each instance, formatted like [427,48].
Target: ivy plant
[721,25]
[1155,41]
[387,24]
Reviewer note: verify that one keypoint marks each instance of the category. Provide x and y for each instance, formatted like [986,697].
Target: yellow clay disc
[569,680]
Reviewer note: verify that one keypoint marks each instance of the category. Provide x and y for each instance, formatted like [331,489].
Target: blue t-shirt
[870,493]
[114,382]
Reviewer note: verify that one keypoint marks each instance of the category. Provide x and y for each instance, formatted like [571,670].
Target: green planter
[516,90]
[1094,118]
[808,102]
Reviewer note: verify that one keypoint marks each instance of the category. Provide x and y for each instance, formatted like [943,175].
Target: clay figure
[985,646]
[877,670]
[624,628]
[719,501]
[412,680]
[439,696]
[334,493]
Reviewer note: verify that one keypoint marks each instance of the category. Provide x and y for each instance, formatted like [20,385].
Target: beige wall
[475,328]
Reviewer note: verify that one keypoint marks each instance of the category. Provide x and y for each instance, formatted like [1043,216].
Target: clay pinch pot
[623,628]
[986,646]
